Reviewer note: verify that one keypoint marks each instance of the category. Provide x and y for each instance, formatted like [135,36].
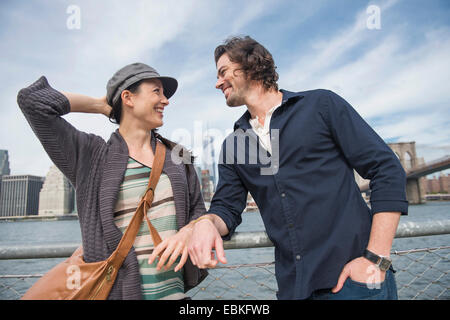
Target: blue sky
[397,77]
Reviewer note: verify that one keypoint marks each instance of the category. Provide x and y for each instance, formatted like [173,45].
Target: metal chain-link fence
[420,274]
[423,273]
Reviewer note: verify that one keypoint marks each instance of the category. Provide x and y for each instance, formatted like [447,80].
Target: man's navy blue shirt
[311,206]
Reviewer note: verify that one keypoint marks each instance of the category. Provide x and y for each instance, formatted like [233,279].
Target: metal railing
[421,273]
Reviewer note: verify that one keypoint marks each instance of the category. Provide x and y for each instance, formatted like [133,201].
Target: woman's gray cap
[133,73]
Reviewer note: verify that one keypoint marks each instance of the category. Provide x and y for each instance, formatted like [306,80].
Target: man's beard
[236,98]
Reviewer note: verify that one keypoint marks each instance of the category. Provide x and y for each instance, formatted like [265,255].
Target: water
[40,232]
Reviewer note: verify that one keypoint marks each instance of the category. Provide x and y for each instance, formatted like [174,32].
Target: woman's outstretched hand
[171,248]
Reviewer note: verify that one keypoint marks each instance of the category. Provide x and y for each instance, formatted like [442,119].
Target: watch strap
[382,262]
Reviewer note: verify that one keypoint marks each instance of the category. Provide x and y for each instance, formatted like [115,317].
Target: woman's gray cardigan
[96,169]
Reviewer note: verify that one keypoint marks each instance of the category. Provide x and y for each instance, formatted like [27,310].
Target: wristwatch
[383,263]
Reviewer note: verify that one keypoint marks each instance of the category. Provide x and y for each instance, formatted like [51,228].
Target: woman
[110,178]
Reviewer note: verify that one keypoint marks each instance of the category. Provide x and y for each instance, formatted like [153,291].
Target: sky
[392,67]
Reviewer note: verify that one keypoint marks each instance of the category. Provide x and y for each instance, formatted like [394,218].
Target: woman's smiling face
[148,103]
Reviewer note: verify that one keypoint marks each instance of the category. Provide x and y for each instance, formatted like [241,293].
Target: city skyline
[53,195]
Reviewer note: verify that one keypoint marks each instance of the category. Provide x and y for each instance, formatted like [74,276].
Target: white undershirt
[263,131]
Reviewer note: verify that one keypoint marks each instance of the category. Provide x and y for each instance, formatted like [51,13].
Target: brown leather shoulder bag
[74,279]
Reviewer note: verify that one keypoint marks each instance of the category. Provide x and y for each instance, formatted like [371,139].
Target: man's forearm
[384,226]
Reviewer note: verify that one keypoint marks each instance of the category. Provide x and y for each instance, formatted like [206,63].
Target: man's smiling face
[231,80]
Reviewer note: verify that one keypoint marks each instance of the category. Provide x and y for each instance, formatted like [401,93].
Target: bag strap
[148,196]
[132,230]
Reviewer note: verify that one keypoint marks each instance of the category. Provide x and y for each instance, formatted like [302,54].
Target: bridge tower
[406,153]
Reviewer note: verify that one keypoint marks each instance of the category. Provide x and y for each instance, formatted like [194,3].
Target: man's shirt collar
[288,96]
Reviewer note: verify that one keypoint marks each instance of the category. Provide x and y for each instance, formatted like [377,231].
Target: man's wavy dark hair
[256,61]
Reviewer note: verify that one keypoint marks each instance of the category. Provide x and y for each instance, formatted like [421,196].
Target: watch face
[385,264]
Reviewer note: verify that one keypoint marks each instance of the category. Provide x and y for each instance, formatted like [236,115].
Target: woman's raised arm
[70,149]
[81,103]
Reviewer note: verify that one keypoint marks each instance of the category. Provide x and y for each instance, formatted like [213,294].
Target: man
[328,243]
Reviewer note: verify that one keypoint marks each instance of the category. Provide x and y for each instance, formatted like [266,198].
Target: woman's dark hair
[256,61]
[116,112]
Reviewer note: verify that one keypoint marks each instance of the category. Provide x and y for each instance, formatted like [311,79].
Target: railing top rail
[240,240]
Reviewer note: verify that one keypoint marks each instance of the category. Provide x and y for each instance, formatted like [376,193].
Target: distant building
[4,166]
[4,163]
[438,185]
[251,204]
[208,159]
[20,195]
[207,186]
[57,194]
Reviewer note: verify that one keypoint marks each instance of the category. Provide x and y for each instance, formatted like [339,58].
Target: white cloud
[426,126]
[250,11]
[386,80]
[118,32]
[326,53]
